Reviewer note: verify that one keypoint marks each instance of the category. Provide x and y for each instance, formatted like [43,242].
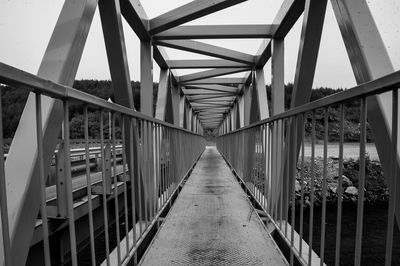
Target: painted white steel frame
[195,101]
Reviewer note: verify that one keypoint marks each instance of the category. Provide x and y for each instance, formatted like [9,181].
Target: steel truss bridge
[116,207]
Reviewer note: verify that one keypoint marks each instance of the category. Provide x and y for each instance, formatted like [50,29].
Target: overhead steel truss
[204,99]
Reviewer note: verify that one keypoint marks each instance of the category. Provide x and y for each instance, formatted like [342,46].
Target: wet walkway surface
[212,223]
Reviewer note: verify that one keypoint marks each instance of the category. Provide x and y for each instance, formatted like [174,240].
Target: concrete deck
[212,223]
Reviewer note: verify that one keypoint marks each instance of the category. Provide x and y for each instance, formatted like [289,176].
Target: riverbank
[376,191]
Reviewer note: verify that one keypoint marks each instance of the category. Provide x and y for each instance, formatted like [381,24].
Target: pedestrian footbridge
[210,168]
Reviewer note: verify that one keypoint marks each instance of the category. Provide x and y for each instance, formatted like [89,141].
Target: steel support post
[228,121]
[59,64]
[277,77]
[190,117]
[277,102]
[182,99]
[369,60]
[110,14]
[162,95]
[237,119]
[261,93]
[175,97]
[187,115]
[146,107]
[146,78]
[247,104]
[313,20]
[241,111]
[194,122]
[233,116]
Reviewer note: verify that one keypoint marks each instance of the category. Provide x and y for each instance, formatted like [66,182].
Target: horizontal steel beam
[203,63]
[217,32]
[213,120]
[205,97]
[218,101]
[210,74]
[216,109]
[208,49]
[188,12]
[208,112]
[135,16]
[206,92]
[216,87]
[213,81]
[212,117]
[288,14]
[210,105]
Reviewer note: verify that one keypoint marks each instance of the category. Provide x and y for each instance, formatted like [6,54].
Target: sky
[26,27]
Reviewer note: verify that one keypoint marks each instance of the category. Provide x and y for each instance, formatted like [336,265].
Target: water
[374,235]
[350,150]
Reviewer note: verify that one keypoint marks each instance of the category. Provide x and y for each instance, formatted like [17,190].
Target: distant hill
[13,101]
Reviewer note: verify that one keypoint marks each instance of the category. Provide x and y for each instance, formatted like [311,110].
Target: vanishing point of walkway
[212,223]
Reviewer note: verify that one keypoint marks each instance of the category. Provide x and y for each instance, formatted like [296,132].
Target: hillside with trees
[13,101]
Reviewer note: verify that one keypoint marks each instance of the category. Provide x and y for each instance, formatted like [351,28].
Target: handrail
[15,77]
[270,159]
[156,156]
[376,86]
[81,151]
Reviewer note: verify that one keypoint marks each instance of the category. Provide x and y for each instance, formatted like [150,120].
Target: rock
[353,191]
[333,189]
[345,181]
[297,186]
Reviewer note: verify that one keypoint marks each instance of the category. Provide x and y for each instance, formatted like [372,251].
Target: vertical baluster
[170,178]
[132,134]
[124,175]
[3,198]
[42,179]
[163,164]
[159,167]
[303,119]
[324,187]
[286,164]
[361,182]
[89,185]
[293,182]
[281,164]
[269,166]
[139,141]
[392,200]
[104,182]
[311,222]
[151,171]
[155,167]
[264,147]
[274,188]
[340,188]
[67,167]
[115,181]
[145,176]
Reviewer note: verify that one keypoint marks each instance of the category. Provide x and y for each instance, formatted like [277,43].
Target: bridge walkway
[212,223]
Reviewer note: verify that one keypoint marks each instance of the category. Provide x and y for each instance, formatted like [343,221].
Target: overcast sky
[26,26]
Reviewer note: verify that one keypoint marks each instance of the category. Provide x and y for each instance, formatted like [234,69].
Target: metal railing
[156,158]
[269,158]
